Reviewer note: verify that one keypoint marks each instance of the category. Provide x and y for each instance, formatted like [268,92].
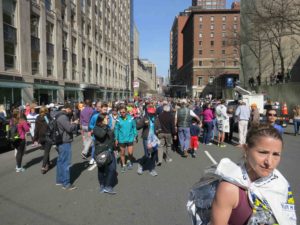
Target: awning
[49,87]
[73,89]
[4,84]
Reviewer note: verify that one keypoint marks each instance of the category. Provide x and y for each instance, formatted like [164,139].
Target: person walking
[243,115]
[183,118]
[104,140]
[150,125]
[22,127]
[85,116]
[208,117]
[254,191]
[166,134]
[40,135]
[195,131]
[223,123]
[66,129]
[31,118]
[254,116]
[125,134]
[296,119]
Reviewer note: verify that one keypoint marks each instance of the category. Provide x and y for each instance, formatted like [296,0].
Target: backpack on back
[200,200]
[53,135]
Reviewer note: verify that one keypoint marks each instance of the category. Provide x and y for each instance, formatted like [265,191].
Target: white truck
[251,98]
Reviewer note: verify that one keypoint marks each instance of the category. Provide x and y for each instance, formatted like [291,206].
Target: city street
[31,198]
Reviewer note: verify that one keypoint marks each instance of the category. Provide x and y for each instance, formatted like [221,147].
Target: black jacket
[167,122]
[40,129]
[142,125]
[104,138]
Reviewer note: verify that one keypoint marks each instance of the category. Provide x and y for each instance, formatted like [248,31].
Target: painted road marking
[210,157]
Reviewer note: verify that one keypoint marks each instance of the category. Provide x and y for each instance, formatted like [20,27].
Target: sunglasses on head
[272,114]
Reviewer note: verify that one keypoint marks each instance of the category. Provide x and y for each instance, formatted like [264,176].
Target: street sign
[136,84]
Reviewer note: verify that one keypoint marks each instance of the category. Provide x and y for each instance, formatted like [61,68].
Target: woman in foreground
[254,192]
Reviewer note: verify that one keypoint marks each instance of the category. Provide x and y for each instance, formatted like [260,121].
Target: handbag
[103,157]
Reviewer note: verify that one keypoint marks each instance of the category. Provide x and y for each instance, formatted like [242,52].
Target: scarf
[271,196]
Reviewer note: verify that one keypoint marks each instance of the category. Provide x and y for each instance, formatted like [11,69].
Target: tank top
[241,214]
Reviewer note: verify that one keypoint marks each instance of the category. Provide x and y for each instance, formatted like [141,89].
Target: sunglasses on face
[122,112]
[272,114]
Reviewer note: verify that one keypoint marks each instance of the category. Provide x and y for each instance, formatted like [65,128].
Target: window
[200,26]
[48,5]
[210,80]
[212,18]
[223,43]
[235,63]
[200,52]
[223,51]
[235,18]
[234,26]
[49,66]
[212,51]
[212,43]
[211,34]
[34,23]
[9,8]
[35,62]
[223,63]
[223,18]
[200,63]
[9,33]
[65,40]
[223,26]
[200,18]
[74,44]
[49,32]
[199,81]
[200,35]
[212,27]
[223,34]
[200,43]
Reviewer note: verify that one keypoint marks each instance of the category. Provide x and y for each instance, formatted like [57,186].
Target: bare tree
[278,19]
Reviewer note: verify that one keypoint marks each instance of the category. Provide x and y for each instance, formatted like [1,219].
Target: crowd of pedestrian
[165,124]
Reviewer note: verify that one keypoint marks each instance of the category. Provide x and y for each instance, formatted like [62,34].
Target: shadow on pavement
[77,169]
[33,162]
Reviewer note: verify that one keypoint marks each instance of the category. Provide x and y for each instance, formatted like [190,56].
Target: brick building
[210,51]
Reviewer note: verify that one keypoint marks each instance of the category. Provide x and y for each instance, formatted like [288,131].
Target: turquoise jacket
[125,129]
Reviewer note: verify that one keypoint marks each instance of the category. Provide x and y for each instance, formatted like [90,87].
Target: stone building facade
[56,50]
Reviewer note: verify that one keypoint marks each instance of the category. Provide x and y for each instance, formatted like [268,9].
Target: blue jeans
[296,125]
[207,129]
[107,174]
[63,164]
[214,131]
[184,138]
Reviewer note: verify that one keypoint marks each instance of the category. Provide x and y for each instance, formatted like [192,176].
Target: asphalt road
[31,198]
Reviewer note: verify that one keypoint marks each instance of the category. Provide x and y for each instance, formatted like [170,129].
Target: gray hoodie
[66,128]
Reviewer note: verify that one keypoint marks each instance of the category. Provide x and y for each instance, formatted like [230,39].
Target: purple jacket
[207,115]
[85,116]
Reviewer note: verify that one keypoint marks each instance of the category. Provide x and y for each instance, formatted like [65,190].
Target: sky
[154,19]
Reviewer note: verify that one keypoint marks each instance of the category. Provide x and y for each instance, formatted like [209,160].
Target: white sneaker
[140,169]
[21,169]
[92,161]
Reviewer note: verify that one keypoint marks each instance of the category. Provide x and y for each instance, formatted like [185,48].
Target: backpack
[13,133]
[201,197]
[52,134]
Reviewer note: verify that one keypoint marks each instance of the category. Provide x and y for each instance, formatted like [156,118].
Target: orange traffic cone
[284,109]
